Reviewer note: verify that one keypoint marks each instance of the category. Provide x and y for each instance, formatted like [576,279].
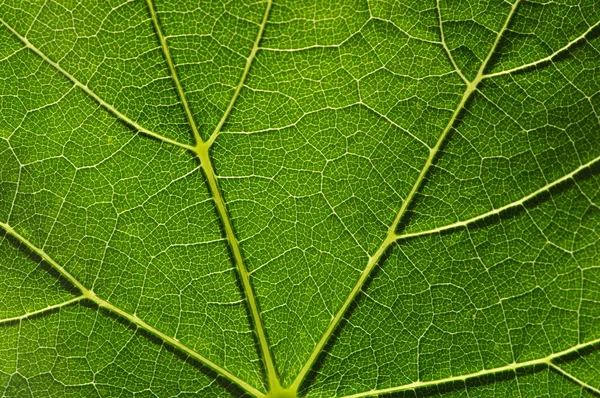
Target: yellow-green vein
[167,53]
[134,319]
[573,378]
[507,206]
[243,273]
[202,149]
[240,84]
[545,361]
[445,45]
[92,94]
[391,233]
[41,310]
[545,59]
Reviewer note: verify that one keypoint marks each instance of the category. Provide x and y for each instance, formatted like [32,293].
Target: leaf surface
[293,198]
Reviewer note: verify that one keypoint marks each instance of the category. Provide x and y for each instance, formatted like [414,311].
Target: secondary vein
[92,94]
[445,45]
[545,59]
[134,319]
[573,378]
[499,210]
[167,53]
[41,310]
[545,361]
[391,233]
[247,67]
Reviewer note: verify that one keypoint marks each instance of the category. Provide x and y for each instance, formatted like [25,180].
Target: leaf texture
[300,198]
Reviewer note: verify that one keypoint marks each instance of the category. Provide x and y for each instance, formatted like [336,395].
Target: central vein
[203,155]
[202,150]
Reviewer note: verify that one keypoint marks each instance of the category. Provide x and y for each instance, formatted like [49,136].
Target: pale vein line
[167,53]
[134,319]
[391,233]
[88,91]
[456,68]
[499,210]
[340,44]
[390,121]
[202,150]
[547,361]
[545,59]
[573,378]
[240,84]
[41,311]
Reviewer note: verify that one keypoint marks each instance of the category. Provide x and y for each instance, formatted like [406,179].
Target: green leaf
[295,198]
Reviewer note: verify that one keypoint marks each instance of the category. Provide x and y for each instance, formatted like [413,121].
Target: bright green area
[299,198]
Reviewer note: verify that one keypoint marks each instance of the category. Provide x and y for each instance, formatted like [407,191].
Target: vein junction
[133,318]
[392,236]
[202,151]
[391,233]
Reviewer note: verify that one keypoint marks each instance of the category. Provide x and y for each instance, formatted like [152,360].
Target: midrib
[202,151]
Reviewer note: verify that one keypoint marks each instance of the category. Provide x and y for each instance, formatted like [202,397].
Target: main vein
[545,361]
[134,319]
[391,233]
[243,273]
[202,150]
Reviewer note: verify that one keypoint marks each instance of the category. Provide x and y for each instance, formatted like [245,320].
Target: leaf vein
[545,361]
[134,319]
[506,207]
[391,234]
[545,59]
[92,94]
[242,81]
[41,310]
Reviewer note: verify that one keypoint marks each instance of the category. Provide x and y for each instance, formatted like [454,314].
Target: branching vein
[499,210]
[545,361]
[247,67]
[445,45]
[92,94]
[134,319]
[573,378]
[41,311]
[545,59]
[391,234]
[202,150]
